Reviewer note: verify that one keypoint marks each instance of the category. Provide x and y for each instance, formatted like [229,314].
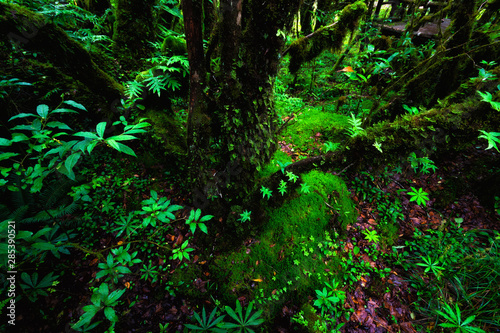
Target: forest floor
[389,286]
[373,303]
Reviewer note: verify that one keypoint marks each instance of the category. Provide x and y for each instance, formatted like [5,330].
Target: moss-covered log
[435,133]
[32,32]
[330,37]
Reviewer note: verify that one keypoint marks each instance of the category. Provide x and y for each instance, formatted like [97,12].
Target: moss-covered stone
[174,45]
[286,257]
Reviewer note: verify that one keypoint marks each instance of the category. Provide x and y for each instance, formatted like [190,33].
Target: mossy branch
[330,37]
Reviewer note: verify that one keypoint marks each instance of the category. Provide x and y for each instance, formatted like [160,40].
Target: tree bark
[238,113]
[133,29]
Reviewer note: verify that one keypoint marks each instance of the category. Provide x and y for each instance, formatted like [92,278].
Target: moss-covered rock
[174,45]
[288,255]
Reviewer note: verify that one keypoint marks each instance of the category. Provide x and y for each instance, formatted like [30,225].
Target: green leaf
[206,218]
[5,142]
[5,156]
[88,135]
[42,110]
[64,110]
[114,296]
[110,314]
[70,163]
[100,129]
[44,246]
[19,137]
[58,124]
[203,227]
[122,137]
[75,105]
[121,147]
[23,115]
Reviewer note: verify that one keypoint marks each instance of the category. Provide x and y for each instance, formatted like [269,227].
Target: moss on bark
[31,32]
[133,30]
[330,37]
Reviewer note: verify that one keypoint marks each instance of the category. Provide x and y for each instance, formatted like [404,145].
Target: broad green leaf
[58,124]
[100,128]
[203,227]
[122,137]
[24,127]
[71,162]
[114,296]
[44,246]
[88,135]
[18,137]
[5,156]
[110,314]
[121,147]
[42,110]
[64,110]
[5,142]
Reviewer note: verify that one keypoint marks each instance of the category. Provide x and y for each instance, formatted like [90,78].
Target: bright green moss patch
[289,255]
[312,127]
[279,160]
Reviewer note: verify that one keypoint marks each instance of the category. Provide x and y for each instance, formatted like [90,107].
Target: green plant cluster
[389,209]
[454,272]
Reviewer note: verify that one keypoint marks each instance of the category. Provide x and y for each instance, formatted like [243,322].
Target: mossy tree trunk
[133,30]
[234,108]
[32,32]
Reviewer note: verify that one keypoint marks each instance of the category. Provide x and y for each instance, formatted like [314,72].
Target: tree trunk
[238,114]
[133,29]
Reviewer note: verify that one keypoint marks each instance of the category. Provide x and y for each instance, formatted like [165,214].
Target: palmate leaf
[206,324]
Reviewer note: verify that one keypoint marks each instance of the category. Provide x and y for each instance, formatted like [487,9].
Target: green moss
[279,158]
[166,132]
[330,37]
[288,256]
[174,45]
[302,132]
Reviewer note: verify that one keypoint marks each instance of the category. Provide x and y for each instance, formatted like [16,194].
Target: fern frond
[3,304]
[56,192]
[19,213]
[49,214]
[156,83]
[134,89]
[356,128]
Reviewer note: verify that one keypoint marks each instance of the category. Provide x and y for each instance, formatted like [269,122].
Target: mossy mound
[279,160]
[288,256]
[174,45]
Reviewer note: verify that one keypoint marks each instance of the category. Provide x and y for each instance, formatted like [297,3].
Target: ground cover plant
[276,166]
